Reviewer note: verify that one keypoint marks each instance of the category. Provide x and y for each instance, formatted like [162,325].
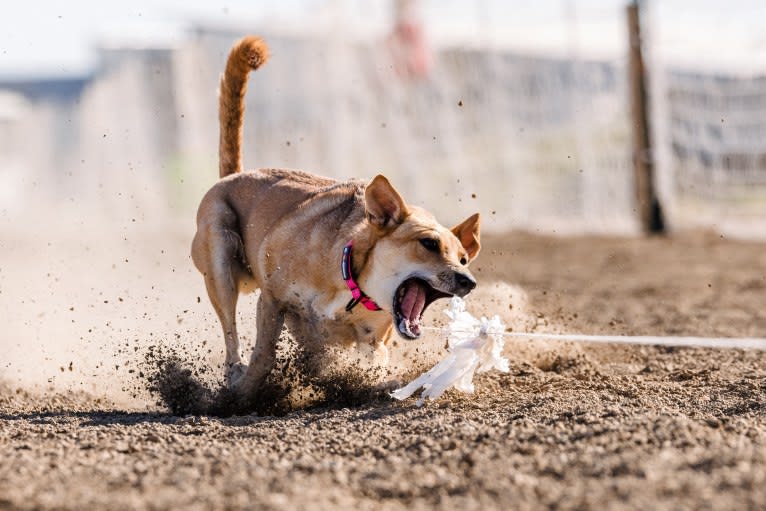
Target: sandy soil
[571,426]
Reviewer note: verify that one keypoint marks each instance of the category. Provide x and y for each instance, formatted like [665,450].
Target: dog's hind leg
[216,251]
[270,320]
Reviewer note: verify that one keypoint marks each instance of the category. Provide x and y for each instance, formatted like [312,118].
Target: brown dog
[290,234]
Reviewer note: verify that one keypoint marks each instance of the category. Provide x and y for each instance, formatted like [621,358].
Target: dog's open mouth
[410,302]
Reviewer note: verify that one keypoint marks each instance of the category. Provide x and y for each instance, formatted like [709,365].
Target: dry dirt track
[571,427]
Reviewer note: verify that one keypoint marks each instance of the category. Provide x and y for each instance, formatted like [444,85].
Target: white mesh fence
[708,92]
[524,115]
[532,141]
[532,131]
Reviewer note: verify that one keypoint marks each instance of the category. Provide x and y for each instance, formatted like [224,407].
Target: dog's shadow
[376,411]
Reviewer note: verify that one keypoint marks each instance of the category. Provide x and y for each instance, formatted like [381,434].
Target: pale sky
[47,37]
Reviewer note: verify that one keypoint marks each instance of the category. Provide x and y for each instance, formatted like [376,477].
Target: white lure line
[474,345]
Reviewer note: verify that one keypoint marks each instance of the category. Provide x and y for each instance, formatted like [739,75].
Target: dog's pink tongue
[413,303]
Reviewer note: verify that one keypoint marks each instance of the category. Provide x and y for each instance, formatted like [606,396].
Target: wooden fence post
[649,209]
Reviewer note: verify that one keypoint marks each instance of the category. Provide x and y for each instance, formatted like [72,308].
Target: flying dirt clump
[184,386]
[183,381]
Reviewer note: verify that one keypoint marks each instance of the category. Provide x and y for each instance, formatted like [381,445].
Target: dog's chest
[345,328]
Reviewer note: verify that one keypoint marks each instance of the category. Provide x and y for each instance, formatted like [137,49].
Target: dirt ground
[570,427]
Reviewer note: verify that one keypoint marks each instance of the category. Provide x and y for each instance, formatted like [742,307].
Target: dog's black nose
[464,284]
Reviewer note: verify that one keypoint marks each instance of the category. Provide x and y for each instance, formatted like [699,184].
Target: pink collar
[357,294]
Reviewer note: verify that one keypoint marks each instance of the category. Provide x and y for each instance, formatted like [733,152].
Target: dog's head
[415,260]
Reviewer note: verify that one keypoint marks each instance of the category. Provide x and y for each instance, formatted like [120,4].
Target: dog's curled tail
[247,55]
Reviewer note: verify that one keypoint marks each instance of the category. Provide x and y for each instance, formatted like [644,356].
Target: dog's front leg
[270,319]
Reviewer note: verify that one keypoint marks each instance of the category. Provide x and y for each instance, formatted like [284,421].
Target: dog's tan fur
[283,232]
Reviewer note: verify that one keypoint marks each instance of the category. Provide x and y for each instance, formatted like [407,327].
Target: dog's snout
[464,284]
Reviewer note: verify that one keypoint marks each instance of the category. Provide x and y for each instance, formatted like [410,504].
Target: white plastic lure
[474,345]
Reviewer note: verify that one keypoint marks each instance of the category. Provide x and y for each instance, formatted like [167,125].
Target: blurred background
[521,110]
[531,112]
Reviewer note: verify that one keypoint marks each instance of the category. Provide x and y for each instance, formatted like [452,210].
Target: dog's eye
[463,261]
[431,244]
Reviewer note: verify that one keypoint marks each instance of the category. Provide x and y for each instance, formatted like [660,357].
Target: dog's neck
[363,243]
[363,234]
[357,295]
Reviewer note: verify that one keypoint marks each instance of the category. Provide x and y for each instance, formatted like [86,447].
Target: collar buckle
[351,304]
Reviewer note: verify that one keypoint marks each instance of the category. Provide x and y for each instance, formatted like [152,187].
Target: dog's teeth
[404,326]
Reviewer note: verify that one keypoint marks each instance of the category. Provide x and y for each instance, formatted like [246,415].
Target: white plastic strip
[757,343]
[476,345]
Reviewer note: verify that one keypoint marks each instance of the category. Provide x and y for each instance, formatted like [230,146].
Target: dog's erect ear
[468,234]
[385,207]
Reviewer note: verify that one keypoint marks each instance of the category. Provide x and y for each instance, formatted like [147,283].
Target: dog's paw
[234,374]
[389,385]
